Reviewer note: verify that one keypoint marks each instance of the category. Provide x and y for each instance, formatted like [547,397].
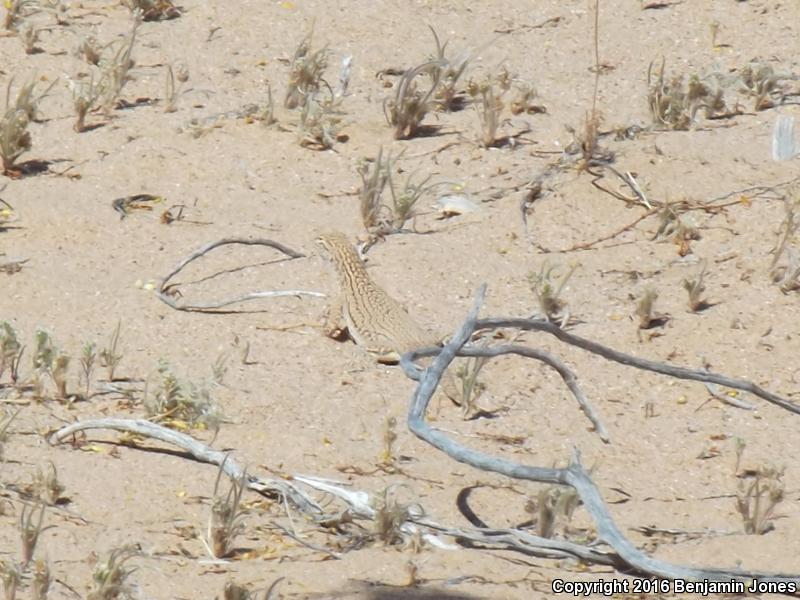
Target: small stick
[612,235]
[198,451]
[164,291]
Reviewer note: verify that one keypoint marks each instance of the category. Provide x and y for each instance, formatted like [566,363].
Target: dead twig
[700,375]
[612,235]
[271,488]
[167,292]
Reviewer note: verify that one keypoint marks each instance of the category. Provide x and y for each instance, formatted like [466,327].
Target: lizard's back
[374,319]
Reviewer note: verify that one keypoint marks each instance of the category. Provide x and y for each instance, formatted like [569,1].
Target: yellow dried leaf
[177,424]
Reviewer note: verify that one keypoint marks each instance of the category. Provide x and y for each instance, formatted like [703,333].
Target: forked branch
[167,292]
[575,475]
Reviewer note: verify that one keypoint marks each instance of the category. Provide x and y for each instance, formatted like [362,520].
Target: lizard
[369,315]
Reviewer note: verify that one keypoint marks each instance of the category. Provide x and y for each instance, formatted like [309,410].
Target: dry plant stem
[200,452]
[163,288]
[633,361]
[109,578]
[575,475]
[610,236]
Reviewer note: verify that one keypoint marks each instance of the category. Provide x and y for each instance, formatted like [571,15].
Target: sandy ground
[303,403]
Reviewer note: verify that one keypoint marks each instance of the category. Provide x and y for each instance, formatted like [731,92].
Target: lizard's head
[331,243]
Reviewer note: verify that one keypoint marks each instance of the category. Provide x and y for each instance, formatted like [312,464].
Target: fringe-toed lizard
[372,318]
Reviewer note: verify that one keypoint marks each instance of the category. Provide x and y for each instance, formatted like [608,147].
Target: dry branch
[166,291]
[198,451]
[631,559]
[633,361]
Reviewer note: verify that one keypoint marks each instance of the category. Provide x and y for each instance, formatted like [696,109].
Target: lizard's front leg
[334,325]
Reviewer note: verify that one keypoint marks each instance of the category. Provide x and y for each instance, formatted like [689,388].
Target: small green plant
[379,217]
[30,528]
[392,513]
[788,276]
[471,387]
[319,123]
[176,78]
[29,37]
[17,10]
[586,142]
[305,74]
[234,591]
[675,225]
[787,273]
[406,111]
[46,486]
[116,68]
[181,405]
[219,368]
[739,446]
[50,360]
[406,198]
[10,351]
[59,9]
[374,177]
[487,97]
[695,287]
[11,576]
[5,423]
[15,139]
[644,309]
[44,352]
[387,457]
[674,103]
[524,100]
[242,348]
[88,360]
[42,580]
[59,374]
[548,291]
[225,522]
[27,100]
[450,71]
[110,356]
[554,504]
[85,96]
[153,10]
[756,500]
[267,113]
[110,576]
[760,81]
[90,50]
